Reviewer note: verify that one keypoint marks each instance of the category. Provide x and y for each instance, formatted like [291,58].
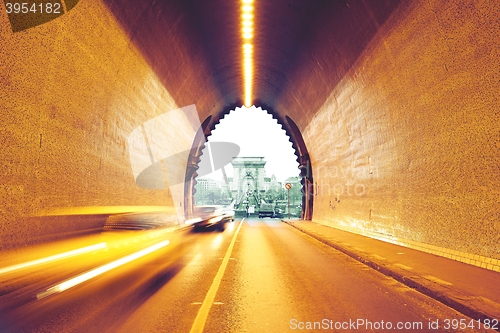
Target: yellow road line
[201,317]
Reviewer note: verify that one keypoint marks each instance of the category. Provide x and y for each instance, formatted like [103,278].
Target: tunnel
[392,107]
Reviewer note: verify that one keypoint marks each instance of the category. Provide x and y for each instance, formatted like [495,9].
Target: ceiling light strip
[247,34]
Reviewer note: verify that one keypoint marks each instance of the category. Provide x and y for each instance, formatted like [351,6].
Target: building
[248,182]
[208,192]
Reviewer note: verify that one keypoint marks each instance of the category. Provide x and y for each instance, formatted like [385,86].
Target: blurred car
[209,217]
[228,211]
[266,210]
[278,213]
[141,221]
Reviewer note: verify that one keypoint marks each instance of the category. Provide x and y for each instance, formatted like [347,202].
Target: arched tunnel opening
[247,187]
[265,139]
[391,105]
[381,86]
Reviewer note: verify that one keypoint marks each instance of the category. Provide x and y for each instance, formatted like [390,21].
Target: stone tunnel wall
[407,146]
[72,90]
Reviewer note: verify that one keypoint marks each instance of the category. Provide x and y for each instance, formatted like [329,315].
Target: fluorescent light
[247,33]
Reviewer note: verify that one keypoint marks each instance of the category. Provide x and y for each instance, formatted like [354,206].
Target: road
[259,275]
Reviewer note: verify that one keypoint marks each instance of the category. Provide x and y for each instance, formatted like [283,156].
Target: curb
[438,292]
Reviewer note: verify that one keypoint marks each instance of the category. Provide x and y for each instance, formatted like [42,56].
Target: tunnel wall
[72,90]
[407,146]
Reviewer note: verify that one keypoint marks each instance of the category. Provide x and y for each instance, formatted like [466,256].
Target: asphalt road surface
[259,275]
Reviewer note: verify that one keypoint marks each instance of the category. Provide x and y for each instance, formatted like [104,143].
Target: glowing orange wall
[72,90]
[407,146]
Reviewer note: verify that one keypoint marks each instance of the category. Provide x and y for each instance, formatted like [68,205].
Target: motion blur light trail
[53,258]
[100,270]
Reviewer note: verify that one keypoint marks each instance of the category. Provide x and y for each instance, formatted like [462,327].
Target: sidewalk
[471,290]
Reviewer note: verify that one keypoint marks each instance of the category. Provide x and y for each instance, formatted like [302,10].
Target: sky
[257,134]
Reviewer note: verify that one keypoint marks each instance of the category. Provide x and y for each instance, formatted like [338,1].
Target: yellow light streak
[53,258]
[94,210]
[247,33]
[100,270]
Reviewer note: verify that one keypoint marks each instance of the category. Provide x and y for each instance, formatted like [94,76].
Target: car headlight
[192,221]
[215,219]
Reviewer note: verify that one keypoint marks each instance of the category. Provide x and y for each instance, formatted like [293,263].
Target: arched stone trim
[294,135]
[305,169]
[192,167]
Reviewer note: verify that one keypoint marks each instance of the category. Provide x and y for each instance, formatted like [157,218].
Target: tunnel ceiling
[396,102]
[302,48]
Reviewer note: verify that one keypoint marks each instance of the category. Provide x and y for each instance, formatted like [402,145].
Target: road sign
[288,186]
